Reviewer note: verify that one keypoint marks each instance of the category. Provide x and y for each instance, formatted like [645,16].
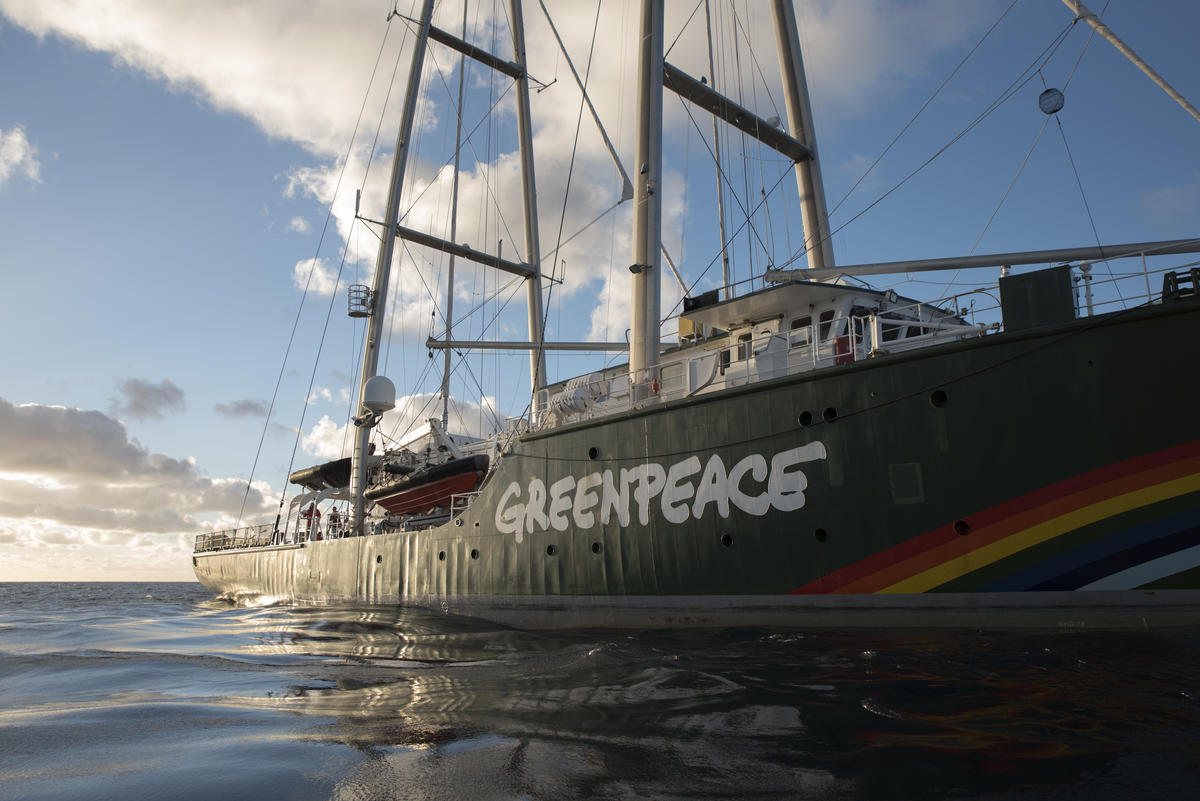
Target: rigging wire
[924,106]
[1025,77]
[562,219]
[740,26]
[683,29]
[737,61]
[748,214]
[787,171]
[467,140]
[307,285]
[1025,161]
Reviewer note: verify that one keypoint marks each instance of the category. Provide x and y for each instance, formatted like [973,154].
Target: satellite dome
[379,395]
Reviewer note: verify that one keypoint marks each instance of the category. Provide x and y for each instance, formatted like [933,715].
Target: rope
[308,282]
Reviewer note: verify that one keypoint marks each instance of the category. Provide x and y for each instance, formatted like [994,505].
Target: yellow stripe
[986,555]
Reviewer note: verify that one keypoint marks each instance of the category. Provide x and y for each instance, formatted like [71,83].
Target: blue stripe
[1107,555]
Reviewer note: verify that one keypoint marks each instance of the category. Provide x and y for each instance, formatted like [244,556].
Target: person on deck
[313,515]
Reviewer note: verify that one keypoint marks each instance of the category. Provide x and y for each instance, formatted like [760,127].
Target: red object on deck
[424,497]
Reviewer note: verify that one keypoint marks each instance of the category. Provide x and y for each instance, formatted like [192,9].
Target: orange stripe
[986,535]
[1044,531]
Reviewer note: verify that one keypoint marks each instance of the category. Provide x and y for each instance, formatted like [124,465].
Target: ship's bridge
[793,327]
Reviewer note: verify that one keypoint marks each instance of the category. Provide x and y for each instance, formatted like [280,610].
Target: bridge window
[744,346]
[826,323]
[800,331]
[672,377]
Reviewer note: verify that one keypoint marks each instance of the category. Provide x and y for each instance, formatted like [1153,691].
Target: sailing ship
[814,452]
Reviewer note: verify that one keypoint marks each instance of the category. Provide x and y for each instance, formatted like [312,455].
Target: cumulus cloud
[301,75]
[247,56]
[73,477]
[245,407]
[18,155]
[299,225]
[314,275]
[320,393]
[146,400]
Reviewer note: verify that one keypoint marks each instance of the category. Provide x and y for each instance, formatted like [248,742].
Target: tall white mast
[462,72]
[533,249]
[726,289]
[383,268]
[647,216]
[813,212]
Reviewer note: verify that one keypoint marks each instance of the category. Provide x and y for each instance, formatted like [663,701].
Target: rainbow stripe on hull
[1130,525]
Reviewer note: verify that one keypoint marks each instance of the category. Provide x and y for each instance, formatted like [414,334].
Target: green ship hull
[1048,476]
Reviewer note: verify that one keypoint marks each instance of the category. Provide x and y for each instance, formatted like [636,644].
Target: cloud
[328,440]
[299,225]
[72,478]
[18,155]
[1172,203]
[144,400]
[301,76]
[314,275]
[245,56]
[242,408]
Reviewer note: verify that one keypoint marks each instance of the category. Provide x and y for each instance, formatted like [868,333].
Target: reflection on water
[153,690]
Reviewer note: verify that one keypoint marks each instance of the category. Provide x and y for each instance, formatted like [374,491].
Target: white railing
[459,502]
[244,537]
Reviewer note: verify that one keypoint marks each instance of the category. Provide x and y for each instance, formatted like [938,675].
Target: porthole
[458,521]
[805,419]
[938,398]
[596,547]
[441,556]
[830,414]
[379,559]
[593,453]
[727,540]
[474,553]
[820,535]
[551,550]
[962,528]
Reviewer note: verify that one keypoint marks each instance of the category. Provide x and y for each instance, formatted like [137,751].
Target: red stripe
[901,561]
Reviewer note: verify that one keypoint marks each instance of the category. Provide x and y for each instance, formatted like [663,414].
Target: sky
[177,199]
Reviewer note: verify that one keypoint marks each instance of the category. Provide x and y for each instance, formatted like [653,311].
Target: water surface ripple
[148,691]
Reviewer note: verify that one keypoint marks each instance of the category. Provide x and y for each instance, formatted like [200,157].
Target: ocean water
[157,691]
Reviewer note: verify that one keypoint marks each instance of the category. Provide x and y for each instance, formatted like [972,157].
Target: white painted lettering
[787,488]
[510,519]
[570,501]
[650,478]
[560,503]
[585,499]
[614,496]
[713,488]
[756,465]
[535,511]
[675,496]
